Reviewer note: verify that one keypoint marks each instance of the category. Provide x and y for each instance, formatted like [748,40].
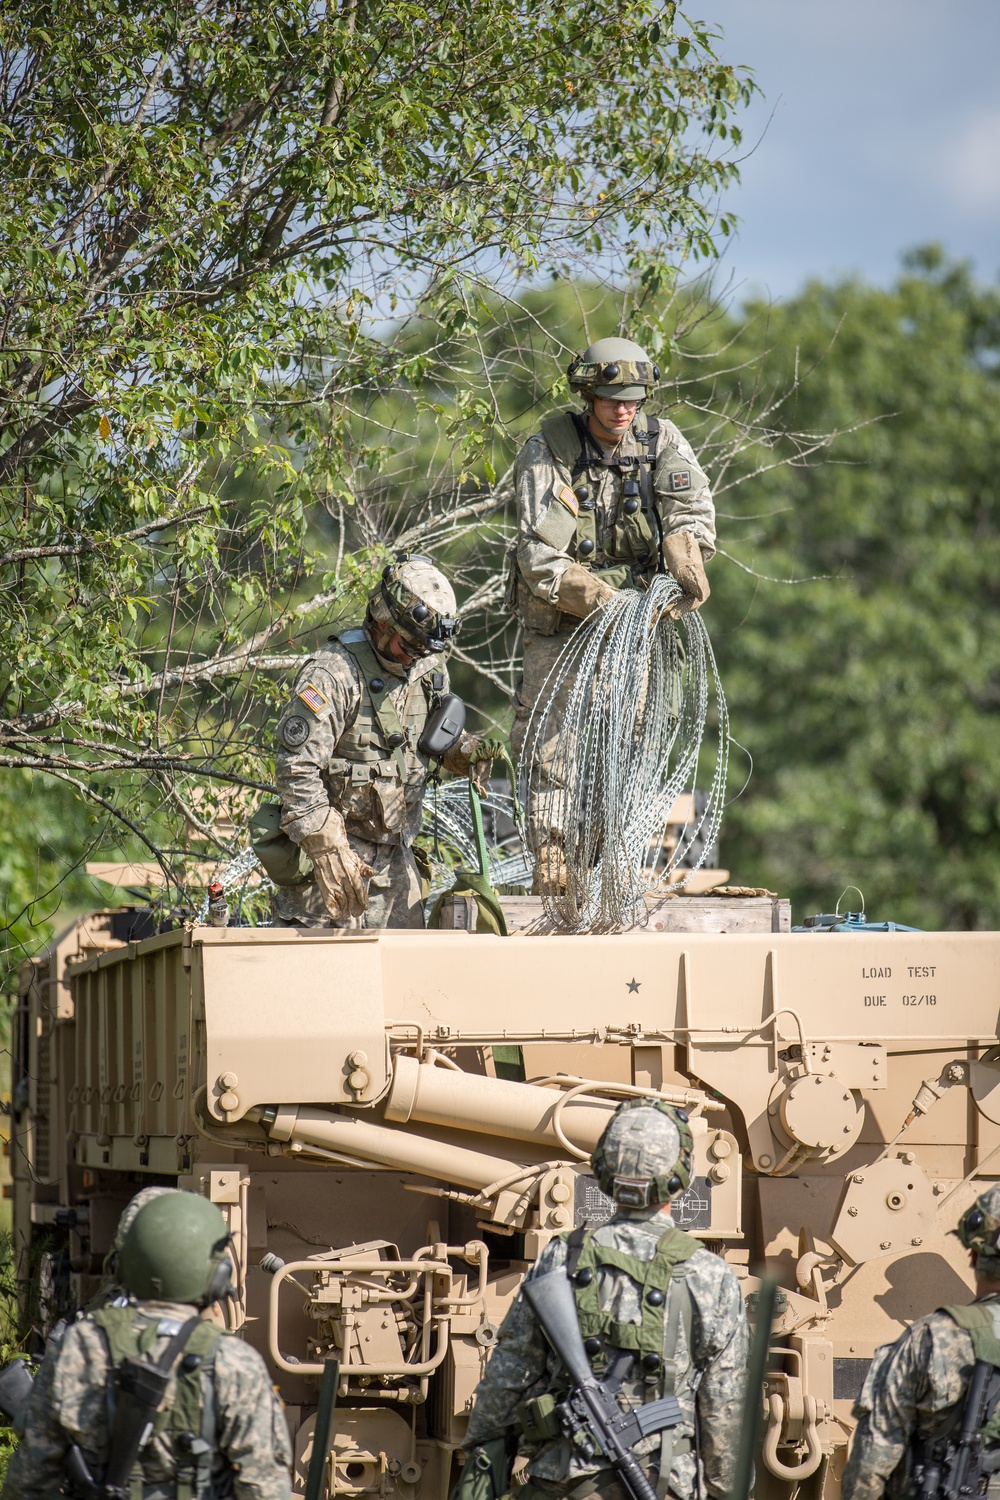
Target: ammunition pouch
[282,859]
[538,1419]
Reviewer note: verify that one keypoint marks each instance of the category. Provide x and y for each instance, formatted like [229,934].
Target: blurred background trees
[283,289]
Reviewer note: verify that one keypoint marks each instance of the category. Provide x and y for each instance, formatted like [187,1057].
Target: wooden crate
[524,914]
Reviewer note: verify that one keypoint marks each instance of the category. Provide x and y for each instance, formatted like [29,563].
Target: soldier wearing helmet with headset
[659,1315]
[916,1397]
[350,770]
[606,499]
[144,1395]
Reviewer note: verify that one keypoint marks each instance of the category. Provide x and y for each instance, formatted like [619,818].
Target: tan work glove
[471,756]
[340,874]
[683,558]
[581,592]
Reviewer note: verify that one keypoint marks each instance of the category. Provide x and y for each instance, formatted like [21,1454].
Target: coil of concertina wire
[614,739]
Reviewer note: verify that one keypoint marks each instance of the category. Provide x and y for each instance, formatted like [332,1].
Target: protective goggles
[978,1230]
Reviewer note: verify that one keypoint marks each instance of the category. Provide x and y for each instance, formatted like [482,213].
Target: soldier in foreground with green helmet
[350,774]
[606,498]
[660,1316]
[218,1428]
[930,1405]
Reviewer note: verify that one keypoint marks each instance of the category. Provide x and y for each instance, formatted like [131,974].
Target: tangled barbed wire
[447,819]
[614,740]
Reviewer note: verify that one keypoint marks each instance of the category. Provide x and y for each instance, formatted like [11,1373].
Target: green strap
[478,833]
[356,643]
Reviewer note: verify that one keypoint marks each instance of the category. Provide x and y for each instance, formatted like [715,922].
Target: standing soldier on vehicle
[217,1427]
[350,774]
[658,1313]
[920,1390]
[606,498]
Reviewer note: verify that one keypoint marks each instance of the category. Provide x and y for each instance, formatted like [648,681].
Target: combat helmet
[979,1230]
[645,1154]
[415,598]
[175,1251]
[614,368]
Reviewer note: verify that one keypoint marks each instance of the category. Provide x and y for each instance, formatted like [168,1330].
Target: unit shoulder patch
[680,481]
[294,731]
[312,698]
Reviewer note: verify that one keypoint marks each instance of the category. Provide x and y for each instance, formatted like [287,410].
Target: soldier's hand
[339,873]
[580,592]
[471,756]
[685,564]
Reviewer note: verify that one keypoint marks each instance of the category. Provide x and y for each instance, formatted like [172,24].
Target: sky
[878,130]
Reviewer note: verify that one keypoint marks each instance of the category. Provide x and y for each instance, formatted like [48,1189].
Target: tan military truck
[396,1123]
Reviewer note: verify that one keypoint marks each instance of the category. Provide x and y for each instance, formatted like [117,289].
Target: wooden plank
[731,914]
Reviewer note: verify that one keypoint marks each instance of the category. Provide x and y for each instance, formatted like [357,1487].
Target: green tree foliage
[212,212]
[869,699]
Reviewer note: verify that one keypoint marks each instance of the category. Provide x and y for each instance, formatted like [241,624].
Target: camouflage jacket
[315,742]
[711,1368]
[539,481]
[69,1404]
[913,1389]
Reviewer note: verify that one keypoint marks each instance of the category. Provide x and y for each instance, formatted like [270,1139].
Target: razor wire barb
[614,739]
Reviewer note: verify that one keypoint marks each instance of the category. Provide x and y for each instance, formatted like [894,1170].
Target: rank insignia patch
[568,499]
[680,480]
[313,698]
[294,731]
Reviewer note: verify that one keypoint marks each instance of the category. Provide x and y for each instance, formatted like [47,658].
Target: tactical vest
[634,545]
[188,1424]
[653,1342]
[368,775]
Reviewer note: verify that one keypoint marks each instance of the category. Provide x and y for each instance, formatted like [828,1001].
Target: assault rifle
[950,1467]
[590,1416]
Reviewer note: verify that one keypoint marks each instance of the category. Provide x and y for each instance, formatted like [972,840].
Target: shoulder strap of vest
[977,1320]
[562,432]
[575,1241]
[647,496]
[357,644]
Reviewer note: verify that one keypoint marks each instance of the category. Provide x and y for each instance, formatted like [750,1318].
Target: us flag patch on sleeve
[680,480]
[312,698]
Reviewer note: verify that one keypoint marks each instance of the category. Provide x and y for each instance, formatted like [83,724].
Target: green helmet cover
[175,1251]
[616,369]
[645,1155]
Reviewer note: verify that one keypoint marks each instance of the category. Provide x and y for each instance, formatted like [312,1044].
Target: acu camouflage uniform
[915,1387]
[705,1349]
[333,752]
[251,1452]
[573,508]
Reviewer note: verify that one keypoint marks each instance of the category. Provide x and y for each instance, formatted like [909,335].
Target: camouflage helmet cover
[979,1230]
[415,598]
[174,1250]
[645,1154]
[616,369]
